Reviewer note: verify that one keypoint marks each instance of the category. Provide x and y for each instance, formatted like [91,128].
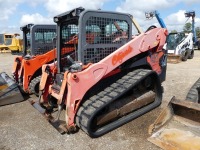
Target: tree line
[188,28]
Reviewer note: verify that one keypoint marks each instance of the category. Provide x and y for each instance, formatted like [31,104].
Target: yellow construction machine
[10,43]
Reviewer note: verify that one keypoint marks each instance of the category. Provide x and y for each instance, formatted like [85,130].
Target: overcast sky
[15,13]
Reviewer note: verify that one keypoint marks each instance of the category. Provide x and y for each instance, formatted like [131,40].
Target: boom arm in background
[188,15]
[150,15]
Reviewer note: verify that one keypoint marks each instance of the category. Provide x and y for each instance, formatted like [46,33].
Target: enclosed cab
[108,65]
[38,38]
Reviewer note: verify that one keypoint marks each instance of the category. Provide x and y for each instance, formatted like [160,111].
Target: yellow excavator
[10,43]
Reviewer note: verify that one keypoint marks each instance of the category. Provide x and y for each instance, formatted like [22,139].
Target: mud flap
[9,90]
[177,127]
[173,59]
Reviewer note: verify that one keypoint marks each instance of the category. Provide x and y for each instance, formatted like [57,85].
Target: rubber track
[109,94]
[33,84]
[193,94]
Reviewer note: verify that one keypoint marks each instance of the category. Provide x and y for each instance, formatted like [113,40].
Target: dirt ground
[22,127]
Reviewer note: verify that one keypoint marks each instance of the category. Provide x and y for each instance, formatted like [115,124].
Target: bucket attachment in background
[173,59]
[177,127]
[9,90]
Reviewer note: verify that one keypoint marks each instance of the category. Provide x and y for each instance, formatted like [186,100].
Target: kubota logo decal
[120,56]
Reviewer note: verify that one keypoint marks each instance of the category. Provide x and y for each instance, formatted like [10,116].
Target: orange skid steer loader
[111,77]
[27,69]
[37,50]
